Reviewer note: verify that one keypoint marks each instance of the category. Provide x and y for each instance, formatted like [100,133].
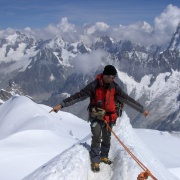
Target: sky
[36,144]
[142,22]
[39,13]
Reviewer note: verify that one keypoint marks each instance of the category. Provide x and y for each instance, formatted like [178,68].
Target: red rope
[146,172]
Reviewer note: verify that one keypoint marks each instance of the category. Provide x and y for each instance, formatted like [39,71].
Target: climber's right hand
[56,108]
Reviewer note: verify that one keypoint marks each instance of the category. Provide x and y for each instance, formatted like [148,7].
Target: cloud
[168,20]
[166,23]
[65,26]
[87,63]
[64,29]
[140,32]
[144,34]
[6,32]
[98,27]
[28,29]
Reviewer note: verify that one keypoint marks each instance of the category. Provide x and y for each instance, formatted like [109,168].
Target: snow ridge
[74,162]
[53,146]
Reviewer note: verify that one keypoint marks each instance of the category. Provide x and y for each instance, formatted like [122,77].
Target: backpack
[119,107]
[97,101]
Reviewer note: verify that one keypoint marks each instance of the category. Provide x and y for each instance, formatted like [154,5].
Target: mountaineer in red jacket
[103,93]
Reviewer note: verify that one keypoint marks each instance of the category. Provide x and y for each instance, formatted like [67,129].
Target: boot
[95,167]
[106,160]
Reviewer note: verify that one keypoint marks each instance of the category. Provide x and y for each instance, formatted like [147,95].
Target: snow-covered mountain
[12,89]
[49,69]
[36,144]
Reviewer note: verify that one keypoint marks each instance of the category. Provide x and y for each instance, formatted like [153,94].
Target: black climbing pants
[100,144]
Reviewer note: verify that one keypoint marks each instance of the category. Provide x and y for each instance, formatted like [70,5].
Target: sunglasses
[111,76]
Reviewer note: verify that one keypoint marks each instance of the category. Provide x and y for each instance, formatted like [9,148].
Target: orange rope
[143,175]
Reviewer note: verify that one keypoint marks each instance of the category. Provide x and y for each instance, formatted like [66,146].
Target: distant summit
[11,90]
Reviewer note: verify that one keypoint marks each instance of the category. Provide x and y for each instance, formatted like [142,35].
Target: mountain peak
[175,41]
[56,43]
[11,90]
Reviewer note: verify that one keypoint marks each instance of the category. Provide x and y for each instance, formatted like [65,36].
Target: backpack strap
[107,104]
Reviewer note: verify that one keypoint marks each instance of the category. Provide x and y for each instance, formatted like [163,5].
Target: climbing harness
[143,175]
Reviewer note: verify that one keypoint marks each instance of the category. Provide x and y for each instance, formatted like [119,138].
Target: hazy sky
[141,21]
[39,13]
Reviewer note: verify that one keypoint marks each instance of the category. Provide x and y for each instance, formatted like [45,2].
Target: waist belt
[109,113]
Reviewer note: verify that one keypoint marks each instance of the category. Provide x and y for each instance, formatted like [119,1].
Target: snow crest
[38,145]
[74,163]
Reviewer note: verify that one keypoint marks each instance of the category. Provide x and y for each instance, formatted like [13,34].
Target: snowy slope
[37,145]
[74,162]
[160,97]
[29,132]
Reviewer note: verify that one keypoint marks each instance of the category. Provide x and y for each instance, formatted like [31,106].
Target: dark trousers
[100,143]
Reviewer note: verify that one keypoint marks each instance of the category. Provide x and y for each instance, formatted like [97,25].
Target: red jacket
[98,91]
[104,97]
